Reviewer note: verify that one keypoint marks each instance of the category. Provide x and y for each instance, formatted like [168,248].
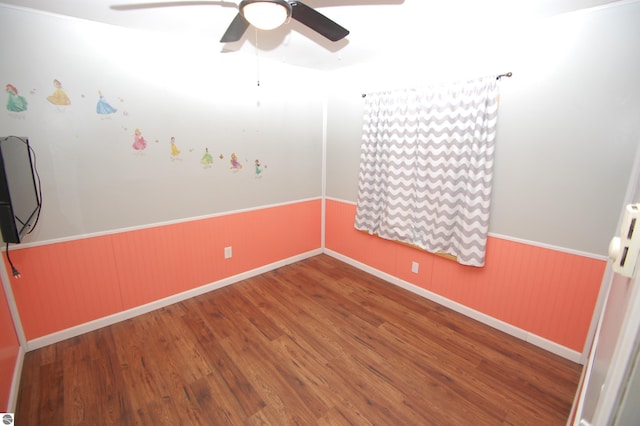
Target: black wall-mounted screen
[19,196]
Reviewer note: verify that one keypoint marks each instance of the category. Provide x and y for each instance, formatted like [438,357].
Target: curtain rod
[507,74]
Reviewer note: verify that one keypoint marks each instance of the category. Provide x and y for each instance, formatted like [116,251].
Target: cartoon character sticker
[174,149]
[207,158]
[15,102]
[103,107]
[139,143]
[235,164]
[59,96]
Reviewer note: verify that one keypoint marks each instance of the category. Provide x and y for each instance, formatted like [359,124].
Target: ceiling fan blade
[236,29]
[317,21]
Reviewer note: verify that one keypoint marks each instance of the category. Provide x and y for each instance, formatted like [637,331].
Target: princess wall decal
[207,158]
[103,107]
[235,164]
[59,96]
[15,102]
[139,143]
[175,152]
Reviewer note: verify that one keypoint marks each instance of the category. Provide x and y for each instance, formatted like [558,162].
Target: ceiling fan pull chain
[257,59]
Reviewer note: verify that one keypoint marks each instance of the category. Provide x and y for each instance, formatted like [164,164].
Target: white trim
[340,200]
[614,376]
[512,330]
[323,215]
[520,240]
[161,303]
[131,313]
[550,246]
[622,361]
[156,224]
[593,336]
[15,382]
[605,285]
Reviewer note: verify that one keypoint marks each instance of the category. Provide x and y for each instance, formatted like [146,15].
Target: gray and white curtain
[426,167]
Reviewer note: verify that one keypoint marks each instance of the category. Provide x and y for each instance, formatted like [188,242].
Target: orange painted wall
[9,349]
[546,292]
[70,283]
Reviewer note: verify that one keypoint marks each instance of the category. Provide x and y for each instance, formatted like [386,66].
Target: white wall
[566,135]
[166,86]
[568,124]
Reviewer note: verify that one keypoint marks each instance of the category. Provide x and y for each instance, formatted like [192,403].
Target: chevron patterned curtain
[426,167]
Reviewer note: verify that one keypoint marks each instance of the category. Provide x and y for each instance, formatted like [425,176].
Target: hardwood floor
[315,342]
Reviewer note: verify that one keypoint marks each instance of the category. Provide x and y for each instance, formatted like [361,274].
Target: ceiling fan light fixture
[265,14]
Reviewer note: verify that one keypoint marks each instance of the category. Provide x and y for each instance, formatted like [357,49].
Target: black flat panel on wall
[19,195]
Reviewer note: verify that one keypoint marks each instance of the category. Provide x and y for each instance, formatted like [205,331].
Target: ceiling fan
[262,14]
[270,14]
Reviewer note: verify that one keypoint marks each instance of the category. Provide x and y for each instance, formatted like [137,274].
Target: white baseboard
[512,330]
[157,304]
[15,382]
[541,342]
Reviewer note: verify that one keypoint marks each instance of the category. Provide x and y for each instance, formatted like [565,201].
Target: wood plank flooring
[317,342]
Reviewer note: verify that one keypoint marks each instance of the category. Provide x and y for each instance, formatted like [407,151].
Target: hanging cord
[14,271]
[38,189]
[32,153]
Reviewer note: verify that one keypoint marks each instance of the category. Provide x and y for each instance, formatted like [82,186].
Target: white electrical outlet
[415,266]
[228,252]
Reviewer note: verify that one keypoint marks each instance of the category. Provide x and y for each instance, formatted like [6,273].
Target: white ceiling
[375,25]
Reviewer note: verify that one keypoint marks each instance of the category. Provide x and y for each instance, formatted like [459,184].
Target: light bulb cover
[265,14]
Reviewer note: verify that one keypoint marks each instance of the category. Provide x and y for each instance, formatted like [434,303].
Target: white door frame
[619,368]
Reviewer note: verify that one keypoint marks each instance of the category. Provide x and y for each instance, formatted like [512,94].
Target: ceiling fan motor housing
[270,14]
[265,14]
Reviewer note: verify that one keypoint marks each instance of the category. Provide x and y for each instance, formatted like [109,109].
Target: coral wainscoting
[545,292]
[66,284]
